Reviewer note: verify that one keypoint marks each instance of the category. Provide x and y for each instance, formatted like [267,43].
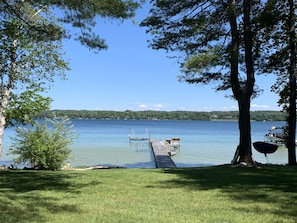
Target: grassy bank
[209,194]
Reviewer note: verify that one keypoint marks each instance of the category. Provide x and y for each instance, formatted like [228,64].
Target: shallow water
[105,142]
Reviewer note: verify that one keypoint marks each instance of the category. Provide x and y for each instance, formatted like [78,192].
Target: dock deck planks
[163,160]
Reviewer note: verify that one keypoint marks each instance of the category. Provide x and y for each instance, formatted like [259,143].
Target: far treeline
[164,115]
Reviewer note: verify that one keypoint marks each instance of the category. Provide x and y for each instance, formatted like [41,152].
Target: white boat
[174,142]
[275,136]
[172,153]
[169,148]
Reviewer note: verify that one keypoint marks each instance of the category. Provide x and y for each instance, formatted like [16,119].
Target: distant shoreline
[164,115]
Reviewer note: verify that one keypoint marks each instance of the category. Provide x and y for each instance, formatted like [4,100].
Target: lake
[203,143]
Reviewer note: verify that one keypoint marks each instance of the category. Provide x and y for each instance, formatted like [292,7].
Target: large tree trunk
[244,101]
[291,137]
[245,149]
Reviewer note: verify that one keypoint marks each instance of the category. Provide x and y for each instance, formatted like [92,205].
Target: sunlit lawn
[209,194]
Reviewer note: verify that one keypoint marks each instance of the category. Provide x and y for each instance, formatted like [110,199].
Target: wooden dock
[162,158]
[138,138]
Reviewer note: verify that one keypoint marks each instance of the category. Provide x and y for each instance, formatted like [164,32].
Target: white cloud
[205,108]
[151,107]
[143,106]
[260,107]
[230,108]
[158,106]
[98,108]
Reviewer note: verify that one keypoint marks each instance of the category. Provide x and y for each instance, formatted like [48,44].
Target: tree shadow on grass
[24,181]
[266,184]
[26,195]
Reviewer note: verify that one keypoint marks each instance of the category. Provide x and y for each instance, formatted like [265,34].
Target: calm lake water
[203,143]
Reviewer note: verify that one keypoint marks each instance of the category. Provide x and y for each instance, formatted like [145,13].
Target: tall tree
[31,36]
[291,139]
[28,56]
[278,35]
[217,41]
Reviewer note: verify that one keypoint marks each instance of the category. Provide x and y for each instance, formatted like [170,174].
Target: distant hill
[164,115]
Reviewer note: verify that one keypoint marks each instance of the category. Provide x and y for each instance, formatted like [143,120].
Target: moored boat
[174,142]
[168,147]
[275,135]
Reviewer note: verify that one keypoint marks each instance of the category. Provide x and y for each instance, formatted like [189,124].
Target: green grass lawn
[210,194]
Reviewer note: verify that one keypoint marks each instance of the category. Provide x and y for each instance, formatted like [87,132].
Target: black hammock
[265,147]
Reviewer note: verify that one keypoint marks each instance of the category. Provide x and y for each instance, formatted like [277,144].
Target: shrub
[45,145]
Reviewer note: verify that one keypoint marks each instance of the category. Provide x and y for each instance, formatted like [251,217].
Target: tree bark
[245,148]
[244,101]
[234,50]
[291,138]
[4,102]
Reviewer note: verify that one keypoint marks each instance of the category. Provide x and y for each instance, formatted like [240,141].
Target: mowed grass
[209,194]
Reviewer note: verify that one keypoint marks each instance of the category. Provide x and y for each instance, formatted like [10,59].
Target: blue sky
[130,75]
